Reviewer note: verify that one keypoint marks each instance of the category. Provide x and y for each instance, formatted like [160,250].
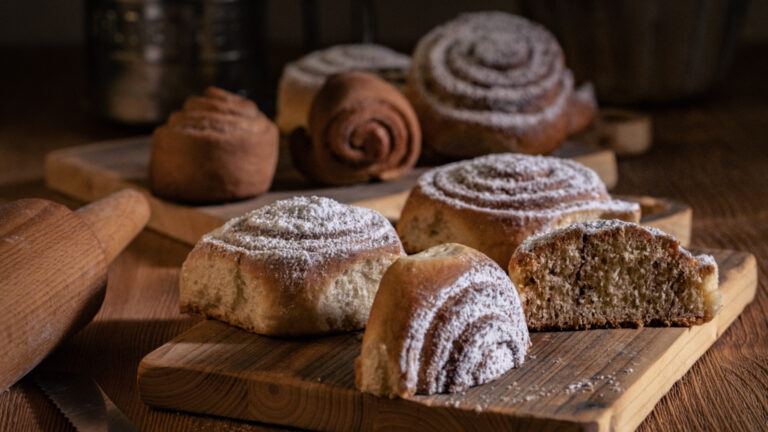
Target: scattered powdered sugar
[521,188]
[302,232]
[493,69]
[313,68]
[466,333]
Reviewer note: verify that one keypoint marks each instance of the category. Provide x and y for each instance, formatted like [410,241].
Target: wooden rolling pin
[53,271]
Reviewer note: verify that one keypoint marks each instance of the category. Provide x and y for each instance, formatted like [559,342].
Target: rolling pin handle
[116,220]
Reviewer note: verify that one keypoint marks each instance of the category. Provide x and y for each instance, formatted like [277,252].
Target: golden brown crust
[288,309]
[218,148]
[302,266]
[360,128]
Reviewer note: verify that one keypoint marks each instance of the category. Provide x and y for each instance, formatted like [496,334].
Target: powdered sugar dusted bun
[492,203]
[306,265]
[490,82]
[302,78]
[443,320]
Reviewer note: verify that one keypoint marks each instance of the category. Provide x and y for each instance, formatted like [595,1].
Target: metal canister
[146,56]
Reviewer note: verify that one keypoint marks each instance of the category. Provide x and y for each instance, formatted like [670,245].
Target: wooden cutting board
[596,380]
[94,171]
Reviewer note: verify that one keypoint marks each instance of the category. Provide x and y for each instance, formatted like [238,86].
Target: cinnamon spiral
[302,78]
[494,202]
[302,233]
[219,147]
[360,128]
[449,319]
[490,82]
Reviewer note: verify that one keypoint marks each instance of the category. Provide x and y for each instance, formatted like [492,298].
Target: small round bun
[302,266]
[218,148]
[492,203]
[302,79]
[443,320]
[490,82]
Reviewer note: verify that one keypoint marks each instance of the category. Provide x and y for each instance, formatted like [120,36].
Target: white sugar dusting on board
[301,233]
[315,67]
[521,188]
[493,69]
[516,393]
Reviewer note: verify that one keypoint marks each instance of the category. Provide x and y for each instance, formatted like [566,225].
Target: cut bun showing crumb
[612,274]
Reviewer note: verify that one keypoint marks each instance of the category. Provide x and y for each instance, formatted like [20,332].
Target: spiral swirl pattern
[359,128]
[519,187]
[469,333]
[303,232]
[443,320]
[494,72]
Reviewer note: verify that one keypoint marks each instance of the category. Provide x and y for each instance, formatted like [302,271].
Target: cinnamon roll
[302,79]
[302,266]
[219,147]
[360,128]
[490,82]
[492,203]
[443,320]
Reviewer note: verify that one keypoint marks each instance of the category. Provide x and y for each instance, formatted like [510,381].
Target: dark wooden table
[712,154]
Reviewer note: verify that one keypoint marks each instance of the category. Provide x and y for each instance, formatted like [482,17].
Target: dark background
[400,22]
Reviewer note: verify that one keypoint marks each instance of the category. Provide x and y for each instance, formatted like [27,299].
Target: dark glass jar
[146,56]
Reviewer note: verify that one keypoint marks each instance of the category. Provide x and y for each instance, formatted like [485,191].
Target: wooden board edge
[286,395]
[673,217]
[73,177]
[636,403]
[603,162]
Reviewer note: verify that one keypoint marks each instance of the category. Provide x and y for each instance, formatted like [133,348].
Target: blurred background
[137,60]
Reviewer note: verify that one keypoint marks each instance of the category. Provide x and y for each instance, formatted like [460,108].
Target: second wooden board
[94,171]
[596,380]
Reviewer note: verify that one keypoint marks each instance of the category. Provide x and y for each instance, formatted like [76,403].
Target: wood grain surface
[711,154]
[598,380]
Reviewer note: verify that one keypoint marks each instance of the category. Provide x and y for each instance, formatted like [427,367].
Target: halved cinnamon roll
[443,320]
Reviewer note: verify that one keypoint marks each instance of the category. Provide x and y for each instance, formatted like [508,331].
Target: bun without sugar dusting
[492,203]
[443,320]
[613,274]
[360,128]
[303,78]
[218,148]
[302,266]
[491,82]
